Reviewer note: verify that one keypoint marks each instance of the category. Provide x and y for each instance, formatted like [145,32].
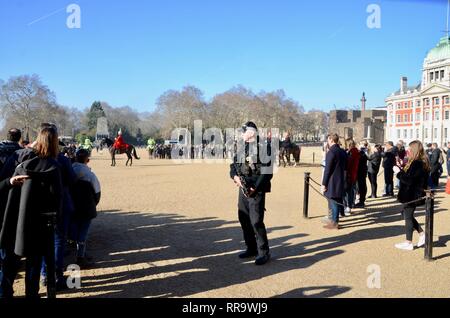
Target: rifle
[245,188]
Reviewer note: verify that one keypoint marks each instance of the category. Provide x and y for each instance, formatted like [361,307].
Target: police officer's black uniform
[251,209]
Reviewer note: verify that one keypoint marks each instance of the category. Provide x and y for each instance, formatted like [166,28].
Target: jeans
[389,181]
[373,183]
[336,209]
[251,217]
[79,231]
[362,188]
[410,222]
[60,244]
[10,268]
[349,198]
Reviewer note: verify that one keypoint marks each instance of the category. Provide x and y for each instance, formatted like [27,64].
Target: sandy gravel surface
[168,230]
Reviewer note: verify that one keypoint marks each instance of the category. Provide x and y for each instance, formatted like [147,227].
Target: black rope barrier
[429,207]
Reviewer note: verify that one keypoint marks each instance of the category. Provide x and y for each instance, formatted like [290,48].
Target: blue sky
[129,52]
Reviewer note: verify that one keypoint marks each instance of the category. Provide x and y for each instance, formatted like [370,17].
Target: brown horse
[286,152]
[130,151]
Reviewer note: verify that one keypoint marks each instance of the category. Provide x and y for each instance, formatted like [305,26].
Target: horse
[130,151]
[286,152]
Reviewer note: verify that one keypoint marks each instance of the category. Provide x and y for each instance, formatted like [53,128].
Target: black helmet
[249,124]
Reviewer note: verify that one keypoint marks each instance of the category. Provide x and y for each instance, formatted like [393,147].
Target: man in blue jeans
[333,185]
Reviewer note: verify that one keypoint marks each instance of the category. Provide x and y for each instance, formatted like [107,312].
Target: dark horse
[130,151]
[286,152]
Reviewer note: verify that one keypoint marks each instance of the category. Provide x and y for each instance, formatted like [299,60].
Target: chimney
[363,102]
[403,85]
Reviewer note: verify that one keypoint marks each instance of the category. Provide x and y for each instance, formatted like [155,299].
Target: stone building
[423,111]
[360,124]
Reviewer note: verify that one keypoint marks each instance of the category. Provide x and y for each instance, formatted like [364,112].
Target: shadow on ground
[168,255]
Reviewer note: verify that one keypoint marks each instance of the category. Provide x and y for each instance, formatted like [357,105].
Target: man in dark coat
[257,173]
[9,146]
[435,164]
[389,162]
[333,185]
[362,175]
[373,169]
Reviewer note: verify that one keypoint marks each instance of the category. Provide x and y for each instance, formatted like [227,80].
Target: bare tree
[26,101]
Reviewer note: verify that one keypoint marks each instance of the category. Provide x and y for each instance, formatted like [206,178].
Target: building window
[406,119]
[431,76]
[447,100]
[426,132]
[427,116]
[399,118]
[447,115]
[436,101]
[436,115]
[417,134]
[405,133]
[411,132]
[398,134]
[437,75]
[446,133]
[442,74]
[418,103]
[417,116]
[435,133]
[427,102]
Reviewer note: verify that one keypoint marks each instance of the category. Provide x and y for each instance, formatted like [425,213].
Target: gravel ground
[169,230]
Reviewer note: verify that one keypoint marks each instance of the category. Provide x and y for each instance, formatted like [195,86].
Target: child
[86,195]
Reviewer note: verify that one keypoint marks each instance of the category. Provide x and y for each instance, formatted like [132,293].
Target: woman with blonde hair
[413,183]
[25,231]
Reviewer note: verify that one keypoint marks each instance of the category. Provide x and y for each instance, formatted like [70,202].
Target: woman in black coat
[24,231]
[413,183]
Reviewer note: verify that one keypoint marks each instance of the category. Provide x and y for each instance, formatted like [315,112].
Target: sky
[129,52]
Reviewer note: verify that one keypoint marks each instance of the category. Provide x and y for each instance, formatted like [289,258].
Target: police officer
[256,175]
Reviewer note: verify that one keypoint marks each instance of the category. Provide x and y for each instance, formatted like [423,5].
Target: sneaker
[248,254]
[348,212]
[325,220]
[405,246]
[421,240]
[261,260]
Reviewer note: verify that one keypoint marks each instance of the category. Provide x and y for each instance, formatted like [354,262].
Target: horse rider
[87,145]
[119,143]
[151,144]
[287,143]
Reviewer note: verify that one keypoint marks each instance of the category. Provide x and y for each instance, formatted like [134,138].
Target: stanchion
[429,228]
[306,195]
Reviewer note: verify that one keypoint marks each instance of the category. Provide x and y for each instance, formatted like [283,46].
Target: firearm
[245,188]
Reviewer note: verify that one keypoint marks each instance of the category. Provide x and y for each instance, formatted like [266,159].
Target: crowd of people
[48,199]
[411,170]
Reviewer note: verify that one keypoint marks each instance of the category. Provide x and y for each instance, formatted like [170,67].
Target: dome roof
[440,52]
